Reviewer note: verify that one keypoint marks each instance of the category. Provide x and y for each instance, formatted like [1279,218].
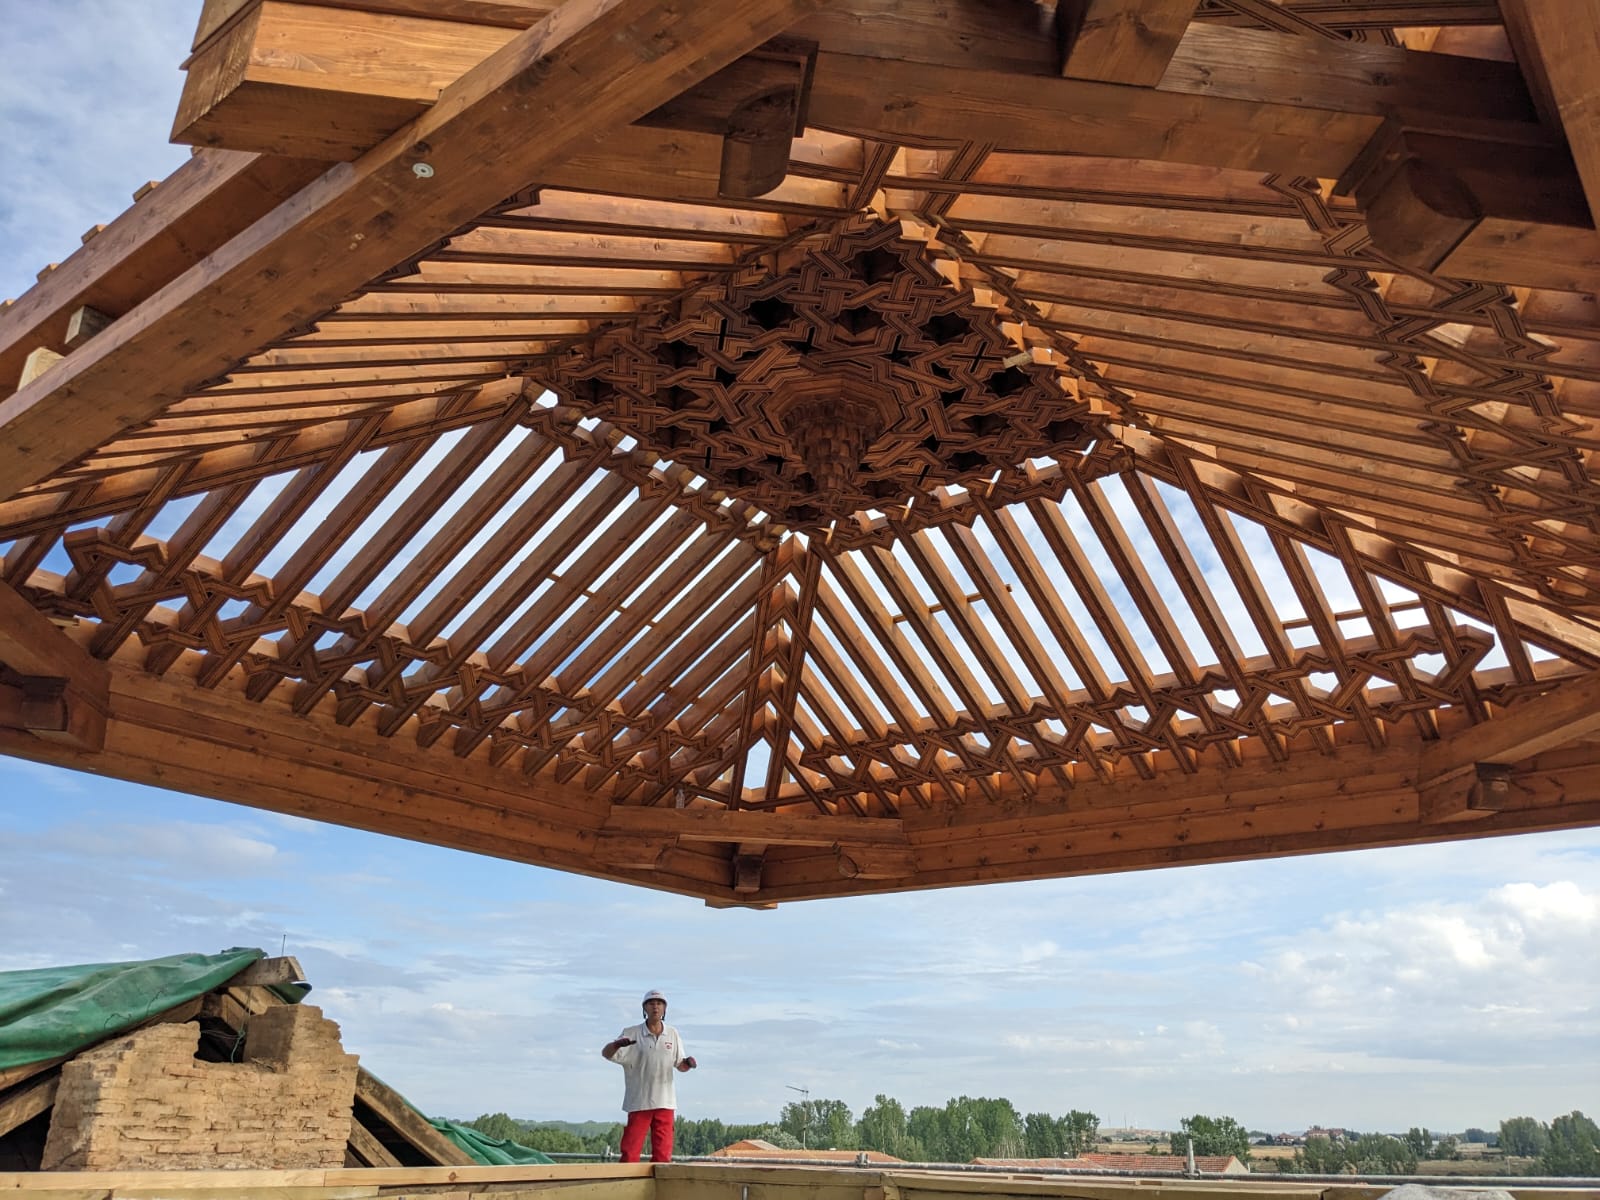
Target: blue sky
[1447,986]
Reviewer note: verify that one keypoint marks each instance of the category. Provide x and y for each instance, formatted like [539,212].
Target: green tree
[1447,1148]
[777,1136]
[1213,1135]
[882,1127]
[1478,1137]
[1573,1146]
[820,1124]
[1419,1140]
[551,1141]
[979,1127]
[1042,1136]
[1524,1137]
[925,1125]
[498,1125]
[1080,1132]
[1372,1153]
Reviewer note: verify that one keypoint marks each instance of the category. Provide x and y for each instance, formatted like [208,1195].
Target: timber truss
[769,449]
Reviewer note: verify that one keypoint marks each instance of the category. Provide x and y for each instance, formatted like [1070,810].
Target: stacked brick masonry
[145,1101]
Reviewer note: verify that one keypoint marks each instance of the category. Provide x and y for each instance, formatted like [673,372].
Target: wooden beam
[729,825]
[407,1121]
[1562,715]
[197,208]
[27,1102]
[269,972]
[368,1148]
[1120,41]
[592,66]
[32,647]
[630,851]
[1557,43]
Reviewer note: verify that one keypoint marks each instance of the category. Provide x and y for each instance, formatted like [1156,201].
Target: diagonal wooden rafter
[591,66]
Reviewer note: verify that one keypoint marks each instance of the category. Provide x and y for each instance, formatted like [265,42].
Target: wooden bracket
[1426,192]
[37,703]
[747,873]
[1483,791]
[758,106]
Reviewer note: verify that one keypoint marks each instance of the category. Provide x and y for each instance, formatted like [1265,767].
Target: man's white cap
[652,994]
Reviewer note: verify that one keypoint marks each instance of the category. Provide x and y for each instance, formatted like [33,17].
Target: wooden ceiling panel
[1077,460]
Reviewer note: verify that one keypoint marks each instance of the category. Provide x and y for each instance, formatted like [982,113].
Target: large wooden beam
[1120,41]
[56,689]
[1448,773]
[729,825]
[591,66]
[194,210]
[1557,43]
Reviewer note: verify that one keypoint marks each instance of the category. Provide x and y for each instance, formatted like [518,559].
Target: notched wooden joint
[1424,191]
[757,104]
[1470,796]
[36,703]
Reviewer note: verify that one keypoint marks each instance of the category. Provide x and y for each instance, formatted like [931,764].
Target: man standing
[648,1053]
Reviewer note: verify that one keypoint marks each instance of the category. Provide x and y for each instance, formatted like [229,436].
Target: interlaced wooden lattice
[846,375]
[985,501]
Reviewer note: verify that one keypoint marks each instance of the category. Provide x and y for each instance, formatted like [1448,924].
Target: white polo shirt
[648,1067]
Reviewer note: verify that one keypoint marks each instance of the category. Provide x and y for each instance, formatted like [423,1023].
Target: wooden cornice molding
[590,67]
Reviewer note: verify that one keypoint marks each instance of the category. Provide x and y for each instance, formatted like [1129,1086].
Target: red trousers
[658,1121]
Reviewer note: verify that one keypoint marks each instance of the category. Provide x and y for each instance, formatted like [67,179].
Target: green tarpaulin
[490,1151]
[55,1011]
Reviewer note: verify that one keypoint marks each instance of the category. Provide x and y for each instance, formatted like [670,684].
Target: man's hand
[621,1042]
[689,1063]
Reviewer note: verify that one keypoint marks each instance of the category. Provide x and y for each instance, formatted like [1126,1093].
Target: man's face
[655,1010]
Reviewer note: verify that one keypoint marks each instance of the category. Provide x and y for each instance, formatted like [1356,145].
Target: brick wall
[145,1101]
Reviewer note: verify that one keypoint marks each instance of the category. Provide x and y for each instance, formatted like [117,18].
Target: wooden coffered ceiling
[770,449]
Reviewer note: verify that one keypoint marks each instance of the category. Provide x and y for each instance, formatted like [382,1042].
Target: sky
[1446,986]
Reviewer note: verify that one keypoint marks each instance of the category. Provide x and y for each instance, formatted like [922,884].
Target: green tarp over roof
[55,1011]
[490,1151]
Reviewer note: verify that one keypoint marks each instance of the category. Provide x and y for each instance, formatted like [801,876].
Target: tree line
[969,1127]
[1569,1145]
